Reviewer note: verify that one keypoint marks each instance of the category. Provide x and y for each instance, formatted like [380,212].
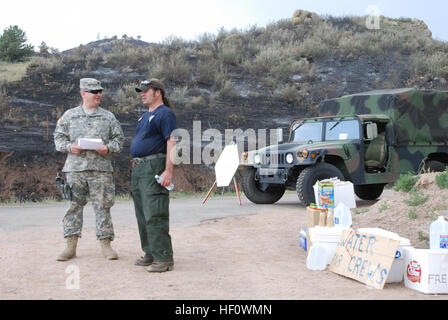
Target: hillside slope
[259,78]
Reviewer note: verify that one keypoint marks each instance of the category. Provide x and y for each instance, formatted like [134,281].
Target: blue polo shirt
[153,128]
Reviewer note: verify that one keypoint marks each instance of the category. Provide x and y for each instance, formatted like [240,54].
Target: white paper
[90,144]
[227,165]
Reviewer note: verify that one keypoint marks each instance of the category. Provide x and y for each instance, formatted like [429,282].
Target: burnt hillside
[262,77]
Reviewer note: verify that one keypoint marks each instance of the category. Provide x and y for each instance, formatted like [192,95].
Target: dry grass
[275,55]
[10,72]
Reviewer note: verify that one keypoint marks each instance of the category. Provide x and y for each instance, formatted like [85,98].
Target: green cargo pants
[151,203]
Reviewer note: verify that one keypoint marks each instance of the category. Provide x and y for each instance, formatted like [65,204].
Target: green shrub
[206,72]
[6,111]
[360,211]
[412,214]
[267,58]
[406,182]
[422,237]
[228,90]
[384,206]
[126,99]
[442,179]
[197,103]
[287,93]
[416,198]
[434,63]
[4,104]
[175,69]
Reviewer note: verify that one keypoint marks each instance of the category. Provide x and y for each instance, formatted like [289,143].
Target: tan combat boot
[107,250]
[70,251]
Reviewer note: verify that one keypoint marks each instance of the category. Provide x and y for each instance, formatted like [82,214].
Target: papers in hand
[90,144]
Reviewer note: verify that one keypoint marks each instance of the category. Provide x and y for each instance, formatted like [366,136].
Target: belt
[150,157]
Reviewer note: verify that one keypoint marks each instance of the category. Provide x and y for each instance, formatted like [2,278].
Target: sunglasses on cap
[151,84]
[94,91]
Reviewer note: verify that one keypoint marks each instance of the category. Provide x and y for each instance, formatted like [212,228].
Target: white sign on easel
[225,169]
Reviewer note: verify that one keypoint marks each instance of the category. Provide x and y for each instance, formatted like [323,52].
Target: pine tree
[13,47]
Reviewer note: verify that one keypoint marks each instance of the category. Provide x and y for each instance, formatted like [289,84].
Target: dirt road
[252,253]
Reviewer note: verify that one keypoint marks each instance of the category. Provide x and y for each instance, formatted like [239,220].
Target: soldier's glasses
[94,91]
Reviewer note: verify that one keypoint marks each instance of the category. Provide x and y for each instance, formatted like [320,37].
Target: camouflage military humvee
[367,138]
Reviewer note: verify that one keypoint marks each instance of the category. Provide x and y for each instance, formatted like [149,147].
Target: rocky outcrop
[302,16]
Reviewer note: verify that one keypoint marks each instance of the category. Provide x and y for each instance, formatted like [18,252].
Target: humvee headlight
[289,158]
[257,159]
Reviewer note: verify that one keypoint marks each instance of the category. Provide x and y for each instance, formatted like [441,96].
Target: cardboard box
[396,272]
[331,192]
[325,191]
[312,219]
[426,270]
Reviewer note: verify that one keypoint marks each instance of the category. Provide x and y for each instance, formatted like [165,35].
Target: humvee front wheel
[310,175]
[369,191]
[253,192]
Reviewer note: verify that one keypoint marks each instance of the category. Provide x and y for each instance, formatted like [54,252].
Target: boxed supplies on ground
[312,219]
[330,192]
[325,193]
[396,271]
[426,270]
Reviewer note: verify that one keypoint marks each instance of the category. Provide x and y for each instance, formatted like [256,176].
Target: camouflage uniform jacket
[101,124]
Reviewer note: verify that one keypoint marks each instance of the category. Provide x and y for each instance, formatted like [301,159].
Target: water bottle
[317,257]
[342,216]
[438,234]
[159,180]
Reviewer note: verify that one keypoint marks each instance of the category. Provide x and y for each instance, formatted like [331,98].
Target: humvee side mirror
[279,135]
[371,131]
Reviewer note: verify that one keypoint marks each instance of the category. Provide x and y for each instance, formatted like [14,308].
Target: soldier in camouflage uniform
[89,172]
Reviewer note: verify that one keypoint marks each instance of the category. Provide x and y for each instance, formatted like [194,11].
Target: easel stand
[214,185]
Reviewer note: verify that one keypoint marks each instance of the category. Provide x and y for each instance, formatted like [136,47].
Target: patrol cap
[152,83]
[90,84]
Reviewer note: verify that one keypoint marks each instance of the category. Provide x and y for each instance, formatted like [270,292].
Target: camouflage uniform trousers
[101,188]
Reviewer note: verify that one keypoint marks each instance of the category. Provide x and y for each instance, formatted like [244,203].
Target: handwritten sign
[364,257]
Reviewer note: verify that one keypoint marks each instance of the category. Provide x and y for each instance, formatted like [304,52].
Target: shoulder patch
[60,122]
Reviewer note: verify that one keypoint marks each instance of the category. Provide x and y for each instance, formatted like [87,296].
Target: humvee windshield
[309,132]
[342,130]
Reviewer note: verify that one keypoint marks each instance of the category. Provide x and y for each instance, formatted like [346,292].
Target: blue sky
[64,24]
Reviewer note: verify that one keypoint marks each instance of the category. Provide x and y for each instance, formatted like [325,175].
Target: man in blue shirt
[153,150]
